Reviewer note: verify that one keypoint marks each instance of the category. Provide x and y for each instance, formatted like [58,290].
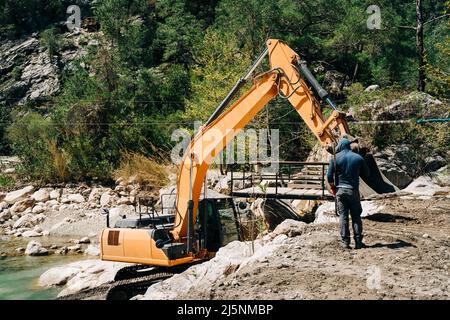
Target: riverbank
[19,276]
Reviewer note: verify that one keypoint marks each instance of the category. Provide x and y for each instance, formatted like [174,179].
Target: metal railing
[288,173]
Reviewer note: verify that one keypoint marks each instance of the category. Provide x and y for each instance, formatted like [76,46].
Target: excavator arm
[283,79]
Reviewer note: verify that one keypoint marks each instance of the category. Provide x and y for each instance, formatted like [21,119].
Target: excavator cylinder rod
[239,84]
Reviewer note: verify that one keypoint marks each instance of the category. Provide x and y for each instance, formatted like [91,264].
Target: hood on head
[344,144]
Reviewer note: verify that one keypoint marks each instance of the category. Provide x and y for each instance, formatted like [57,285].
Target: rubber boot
[359,244]
[345,244]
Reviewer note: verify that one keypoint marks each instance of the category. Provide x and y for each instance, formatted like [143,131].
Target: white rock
[31,234]
[124,200]
[22,205]
[25,221]
[5,215]
[41,195]
[81,275]
[84,240]
[18,195]
[74,248]
[92,250]
[290,227]
[94,195]
[106,199]
[29,220]
[51,203]
[231,258]
[325,213]
[76,198]
[34,248]
[55,194]
[372,87]
[38,209]
[370,208]
[424,186]
[3,205]
[118,212]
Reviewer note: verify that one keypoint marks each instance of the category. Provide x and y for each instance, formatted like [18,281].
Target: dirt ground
[408,257]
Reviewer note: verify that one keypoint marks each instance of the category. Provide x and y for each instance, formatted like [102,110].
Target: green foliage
[18,16]
[6,180]
[160,65]
[51,40]
[438,56]
[29,136]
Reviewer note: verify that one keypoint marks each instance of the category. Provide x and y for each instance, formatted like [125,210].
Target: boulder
[425,186]
[84,240]
[229,259]
[38,209]
[31,234]
[120,211]
[22,205]
[20,250]
[75,248]
[394,173]
[18,195]
[28,221]
[3,205]
[441,177]
[106,199]
[372,87]
[95,195]
[290,227]
[81,275]
[76,198]
[92,250]
[325,213]
[124,200]
[34,248]
[52,203]
[55,194]
[223,185]
[433,163]
[5,215]
[41,195]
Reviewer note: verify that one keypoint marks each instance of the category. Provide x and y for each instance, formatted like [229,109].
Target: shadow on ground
[395,245]
[387,217]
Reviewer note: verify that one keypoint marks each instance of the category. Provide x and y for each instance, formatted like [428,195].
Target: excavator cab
[146,238]
[216,224]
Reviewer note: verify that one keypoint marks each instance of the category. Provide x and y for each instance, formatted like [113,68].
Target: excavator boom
[283,79]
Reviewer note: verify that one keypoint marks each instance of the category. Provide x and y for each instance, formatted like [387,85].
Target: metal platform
[283,193]
[293,180]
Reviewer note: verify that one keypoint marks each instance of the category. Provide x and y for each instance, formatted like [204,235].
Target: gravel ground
[408,257]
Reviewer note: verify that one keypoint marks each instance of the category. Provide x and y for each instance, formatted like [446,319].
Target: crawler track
[129,282]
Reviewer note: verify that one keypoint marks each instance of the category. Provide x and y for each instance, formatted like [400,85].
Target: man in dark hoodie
[349,167]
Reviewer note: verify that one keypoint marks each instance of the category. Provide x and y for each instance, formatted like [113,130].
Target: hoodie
[349,165]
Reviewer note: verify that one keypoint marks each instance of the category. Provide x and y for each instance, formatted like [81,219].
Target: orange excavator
[170,243]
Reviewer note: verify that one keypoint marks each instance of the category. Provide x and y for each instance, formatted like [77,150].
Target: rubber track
[101,292]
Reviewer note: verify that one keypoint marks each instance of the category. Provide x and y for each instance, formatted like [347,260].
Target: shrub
[141,169]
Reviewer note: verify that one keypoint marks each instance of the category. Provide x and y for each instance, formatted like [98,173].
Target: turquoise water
[19,275]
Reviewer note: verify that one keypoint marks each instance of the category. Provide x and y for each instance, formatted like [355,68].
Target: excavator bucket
[376,182]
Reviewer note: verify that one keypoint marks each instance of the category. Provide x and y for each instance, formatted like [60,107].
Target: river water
[19,275]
